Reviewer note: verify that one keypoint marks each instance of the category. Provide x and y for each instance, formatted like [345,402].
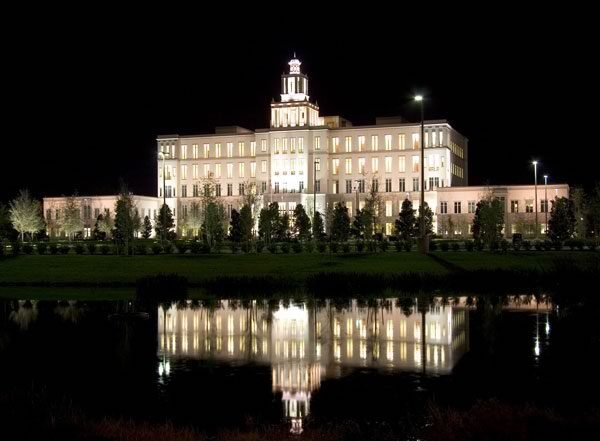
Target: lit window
[206,150]
[415,141]
[184,172]
[300,145]
[335,144]
[195,171]
[361,143]
[263,166]
[317,143]
[241,168]
[361,165]
[230,149]
[388,164]
[218,150]
[217,170]
[348,143]
[229,170]
[388,142]
[374,143]
[252,148]
[206,170]
[335,166]
[184,150]
[374,165]
[318,164]
[415,164]
[253,169]
[195,153]
[263,145]
[472,206]
[402,141]
[348,166]
[529,206]
[401,164]
[388,208]
[241,148]
[514,206]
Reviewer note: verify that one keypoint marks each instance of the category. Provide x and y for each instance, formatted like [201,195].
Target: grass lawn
[98,269]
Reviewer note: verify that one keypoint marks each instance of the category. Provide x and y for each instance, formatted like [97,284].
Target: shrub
[260,246]
[579,244]
[517,245]
[156,248]
[592,245]
[168,248]
[573,244]
[91,248]
[360,246]
[398,245]
[469,245]
[479,245]
[272,248]
[433,246]
[28,248]
[517,241]
[526,245]
[444,246]
[1,250]
[309,246]
[53,248]
[297,247]
[504,246]
[15,248]
[182,247]
[346,247]
[246,247]
[79,249]
[384,245]
[557,245]
[195,247]
[538,245]
[285,247]
[455,246]
[42,247]
[547,245]
[64,249]
[371,246]
[141,249]
[321,247]
[104,250]
[235,247]
[407,245]
[333,247]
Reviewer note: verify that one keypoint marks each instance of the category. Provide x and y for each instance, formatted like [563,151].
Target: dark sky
[84,102]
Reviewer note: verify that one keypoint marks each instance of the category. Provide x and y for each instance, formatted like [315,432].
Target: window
[241,170]
[374,143]
[388,142]
[218,190]
[241,148]
[529,206]
[195,171]
[206,170]
[292,145]
[318,185]
[276,189]
[415,184]
[361,143]
[263,145]
[263,188]
[401,164]
[348,143]
[335,143]
[361,165]
[318,164]
[97,212]
[388,185]
[229,189]
[443,207]
[263,166]
[348,185]
[402,141]
[300,186]
[184,191]
[336,187]
[206,150]
[375,185]
[300,145]
[415,141]
[374,165]
[388,164]
[252,148]
[401,184]
[335,166]
[195,153]
[195,191]
[229,170]
[514,206]
[276,146]
[388,208]
[457,207]
[348,166]
[361,186]
[184,172]
[241,189]
[317,145]
[253,169]
[472,206]
[217,170]
[415,164]
[184,151]
[544,205]
[230,149]
[218,150]
[434,183]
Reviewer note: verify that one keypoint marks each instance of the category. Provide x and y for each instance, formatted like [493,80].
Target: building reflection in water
[304,343]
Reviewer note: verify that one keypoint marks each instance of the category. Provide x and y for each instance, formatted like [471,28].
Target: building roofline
[135,196]
[498,187]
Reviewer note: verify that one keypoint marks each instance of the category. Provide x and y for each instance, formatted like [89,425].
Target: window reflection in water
[305,344]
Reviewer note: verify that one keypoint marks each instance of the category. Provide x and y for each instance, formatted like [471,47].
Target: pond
[229,363]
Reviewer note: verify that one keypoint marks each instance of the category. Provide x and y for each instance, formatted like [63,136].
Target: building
[317,161]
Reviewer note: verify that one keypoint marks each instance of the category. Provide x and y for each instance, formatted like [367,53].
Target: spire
[294,65]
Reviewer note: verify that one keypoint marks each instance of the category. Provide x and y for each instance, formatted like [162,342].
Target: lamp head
[418,97]
[534,163]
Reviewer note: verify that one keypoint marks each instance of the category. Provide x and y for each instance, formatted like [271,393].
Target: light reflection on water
[304,344]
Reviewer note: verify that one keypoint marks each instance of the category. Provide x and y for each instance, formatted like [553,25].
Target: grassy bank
[119,270]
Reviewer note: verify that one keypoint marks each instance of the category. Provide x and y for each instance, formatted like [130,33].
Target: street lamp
[423,243]
[358,182]
[535,163]
[546,202]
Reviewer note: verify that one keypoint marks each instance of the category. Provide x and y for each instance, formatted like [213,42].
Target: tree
[147,228]
[125,218]
[318,227]
[71,222]
[358,225]
[302,223]
[25,214]
[136,221]
[340,224]
[213,224]
[246,222]
[580,207]
[6,229]
[235,230]
[164,223]
[193,220]
[593,213]
[283,228]
[268,222]
[488,221]
[561,224]
[106,225]
[372,212]
[428,216]
[97,234]
[406,222]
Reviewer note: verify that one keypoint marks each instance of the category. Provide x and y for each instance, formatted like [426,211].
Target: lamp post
[357,199]
[535,163]
[314,193]
[164,192]
[546,202]
[423,242]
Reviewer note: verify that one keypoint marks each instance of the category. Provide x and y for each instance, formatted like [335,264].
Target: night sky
[86,101]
